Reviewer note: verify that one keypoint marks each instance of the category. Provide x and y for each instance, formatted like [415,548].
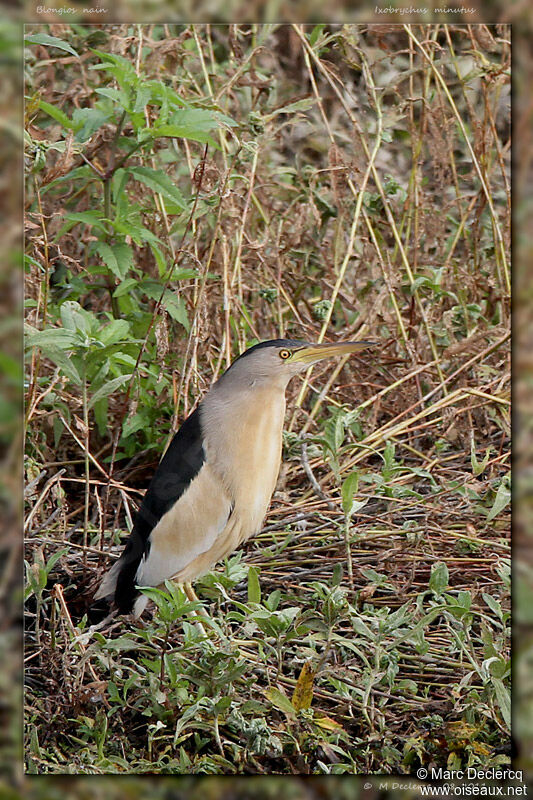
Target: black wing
[180,464]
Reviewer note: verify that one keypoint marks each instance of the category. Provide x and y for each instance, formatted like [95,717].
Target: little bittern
[213,486]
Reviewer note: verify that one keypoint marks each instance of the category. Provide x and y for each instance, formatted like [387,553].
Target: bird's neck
[243,433]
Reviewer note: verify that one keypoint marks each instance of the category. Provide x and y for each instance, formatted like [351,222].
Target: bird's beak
[316,352]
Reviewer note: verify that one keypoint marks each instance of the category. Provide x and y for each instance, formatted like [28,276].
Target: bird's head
[278,360]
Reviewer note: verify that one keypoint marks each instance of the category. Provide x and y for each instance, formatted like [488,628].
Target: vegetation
[194,189]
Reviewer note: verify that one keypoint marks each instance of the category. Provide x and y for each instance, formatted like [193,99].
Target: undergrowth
[190,191]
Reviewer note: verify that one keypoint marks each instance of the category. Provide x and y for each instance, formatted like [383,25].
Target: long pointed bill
[316,352]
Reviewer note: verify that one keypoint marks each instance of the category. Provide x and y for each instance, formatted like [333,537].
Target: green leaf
[176,308]
[117,257]
[504,571]
[502,499]
[135,423]
[181,132]
[49,41]
[129,361]
[32,579]
[81,175]
[439,577]
[165,96]
[137,231]
[63,361]
[86,217]
[52,561]
[66,364]
[477,467]
[281,701]
[349,488]
[56,114]
[464,599]
[254,587]
[125,287]
[504,699]
[201,119]
[272,601]
[71,317]
[121,644]
[362,629]
[191,123]
[112,94]
[108,388]
[59,428]
[100,415]
[105,251]
[116,95]
[160,182]
[493,604]
[315,33]
[340,429]
[159,259]
[299,105]
[124,256]
[144,94]
[86,121]
[97,358]
[329,435]
[120,179]
[117,331]
[120,67]
[388,459]
[52,337]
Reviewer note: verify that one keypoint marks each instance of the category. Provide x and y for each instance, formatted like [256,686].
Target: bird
[213,485]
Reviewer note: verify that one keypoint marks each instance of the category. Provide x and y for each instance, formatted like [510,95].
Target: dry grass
[363,192]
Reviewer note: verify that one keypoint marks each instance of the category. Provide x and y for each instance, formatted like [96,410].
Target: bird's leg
[193,597]
[189,591]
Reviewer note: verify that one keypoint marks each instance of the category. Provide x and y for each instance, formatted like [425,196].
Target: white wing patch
[188,529]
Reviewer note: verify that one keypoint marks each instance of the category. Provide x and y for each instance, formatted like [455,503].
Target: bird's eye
[284,354]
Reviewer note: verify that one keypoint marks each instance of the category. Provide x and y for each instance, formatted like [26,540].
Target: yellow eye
[284,354]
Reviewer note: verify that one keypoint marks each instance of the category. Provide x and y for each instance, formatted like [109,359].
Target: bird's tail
[106,590]
[108,587]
